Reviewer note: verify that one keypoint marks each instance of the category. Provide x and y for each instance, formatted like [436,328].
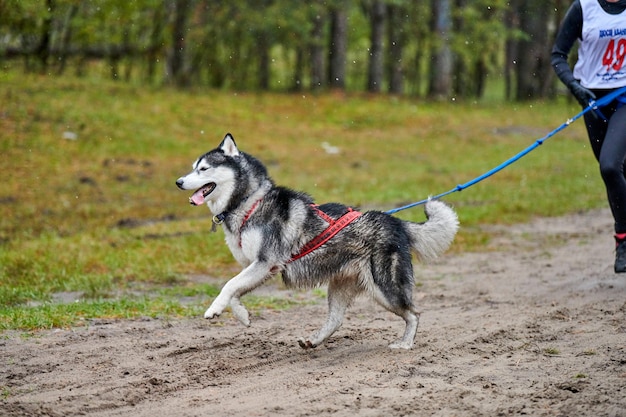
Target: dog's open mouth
[198,197]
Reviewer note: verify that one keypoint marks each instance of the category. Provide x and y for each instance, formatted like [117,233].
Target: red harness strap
[246,217]
[334,227]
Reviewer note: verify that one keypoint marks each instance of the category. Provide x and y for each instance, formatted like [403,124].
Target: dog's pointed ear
[228,146]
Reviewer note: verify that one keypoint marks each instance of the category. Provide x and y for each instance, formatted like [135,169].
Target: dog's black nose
[179,183]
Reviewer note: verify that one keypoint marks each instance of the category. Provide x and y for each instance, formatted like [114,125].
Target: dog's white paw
[240,312]
[217,307]
[305,343]
[400,344]
[211,313]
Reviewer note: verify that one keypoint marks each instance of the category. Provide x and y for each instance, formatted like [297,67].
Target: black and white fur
[371,255]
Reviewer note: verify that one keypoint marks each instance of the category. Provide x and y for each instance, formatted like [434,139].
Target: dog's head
[213,176]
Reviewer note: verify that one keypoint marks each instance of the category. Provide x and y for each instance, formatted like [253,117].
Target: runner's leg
[611,158]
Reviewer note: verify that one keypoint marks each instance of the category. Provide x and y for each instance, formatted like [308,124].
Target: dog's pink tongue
[197,198]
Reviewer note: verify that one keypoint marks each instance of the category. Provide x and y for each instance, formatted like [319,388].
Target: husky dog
[271,229]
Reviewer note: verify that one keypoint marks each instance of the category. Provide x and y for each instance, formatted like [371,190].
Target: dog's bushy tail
[434,236]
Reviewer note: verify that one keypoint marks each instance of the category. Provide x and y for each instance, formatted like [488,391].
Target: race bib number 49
[614,54]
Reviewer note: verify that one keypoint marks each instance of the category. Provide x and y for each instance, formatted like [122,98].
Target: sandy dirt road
[537,326]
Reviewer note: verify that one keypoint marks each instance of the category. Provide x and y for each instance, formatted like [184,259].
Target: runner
[600,27]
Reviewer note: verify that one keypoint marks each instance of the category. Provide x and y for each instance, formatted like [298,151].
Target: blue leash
[593,105]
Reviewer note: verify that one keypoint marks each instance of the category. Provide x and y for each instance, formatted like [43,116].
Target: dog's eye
[204,168]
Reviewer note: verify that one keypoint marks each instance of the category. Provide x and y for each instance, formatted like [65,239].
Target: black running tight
[608,141]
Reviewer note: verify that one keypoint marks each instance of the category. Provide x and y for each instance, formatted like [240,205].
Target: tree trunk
[441,64]
[298,71]
[263,51]
[533,58]
[511,18]
[66,37]
[154,47]
[396,39]
[43,49]
[480,78]
[317,53]
[176,58]
[377,32]
[338,48]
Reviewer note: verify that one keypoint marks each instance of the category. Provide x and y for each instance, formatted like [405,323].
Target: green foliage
[227,43]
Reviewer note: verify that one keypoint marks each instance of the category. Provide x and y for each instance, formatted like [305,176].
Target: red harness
[246,217]
[334,227]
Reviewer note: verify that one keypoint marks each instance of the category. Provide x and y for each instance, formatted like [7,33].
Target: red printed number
[615,54]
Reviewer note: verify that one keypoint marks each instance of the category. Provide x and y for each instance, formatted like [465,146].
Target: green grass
[101,215]
[169,302]
[69,314]
[551,351]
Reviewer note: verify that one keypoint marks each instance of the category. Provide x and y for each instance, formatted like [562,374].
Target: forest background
[439,49]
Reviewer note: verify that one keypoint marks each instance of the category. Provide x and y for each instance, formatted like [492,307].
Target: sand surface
[536,327]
